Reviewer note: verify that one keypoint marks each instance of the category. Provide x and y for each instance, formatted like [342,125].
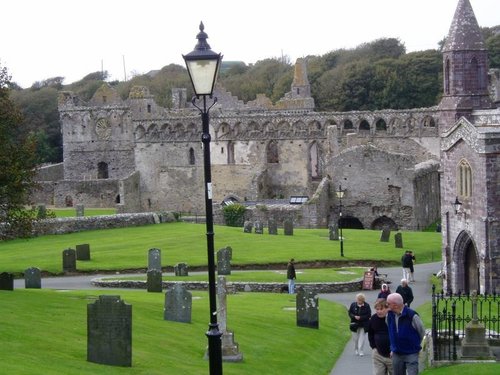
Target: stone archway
[384,222]
[467,275]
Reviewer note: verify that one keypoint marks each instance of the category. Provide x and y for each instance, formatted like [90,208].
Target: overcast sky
[41,39]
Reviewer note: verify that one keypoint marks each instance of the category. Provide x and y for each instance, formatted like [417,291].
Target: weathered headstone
[6,281]
[83,252]
[272,226]
[224,261]
[69,260]
[181,269]
[32,278]
[398,240]
[154,259]
[288,227]
[41,211]
[80,210]
[154,281]
[247,227]
[230,349]
[307,305]
[259,227]
[385,235]
[109,331]
[333,231]
[475,344]
[178,304]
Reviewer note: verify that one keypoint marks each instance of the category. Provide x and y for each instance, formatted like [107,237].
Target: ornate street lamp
[340,195]
[458,205]
[203,65]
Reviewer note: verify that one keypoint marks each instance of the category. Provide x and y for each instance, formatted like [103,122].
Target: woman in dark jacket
[360,313]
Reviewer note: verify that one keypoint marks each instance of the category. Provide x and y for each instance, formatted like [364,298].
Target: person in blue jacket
[406,332]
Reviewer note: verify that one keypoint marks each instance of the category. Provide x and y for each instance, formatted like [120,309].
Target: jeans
[405,364]
[291,286]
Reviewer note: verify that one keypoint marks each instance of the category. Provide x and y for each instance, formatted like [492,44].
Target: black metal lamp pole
[340,194]
[203,65]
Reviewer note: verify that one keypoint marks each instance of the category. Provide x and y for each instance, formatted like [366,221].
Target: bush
[234,215]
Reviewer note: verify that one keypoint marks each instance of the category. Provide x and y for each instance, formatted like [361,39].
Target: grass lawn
[45,332]
[71,211]
[127,248]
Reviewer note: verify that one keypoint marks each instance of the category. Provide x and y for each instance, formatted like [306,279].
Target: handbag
[353,326]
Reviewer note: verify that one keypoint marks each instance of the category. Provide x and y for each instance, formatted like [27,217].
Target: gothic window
[364,125]
[314,161]
[272,155]
[381,125]
[102,170]
[464,179]
[348,125]
[474,75]
[447,77]
[191,156]
[429,122]
[230,152]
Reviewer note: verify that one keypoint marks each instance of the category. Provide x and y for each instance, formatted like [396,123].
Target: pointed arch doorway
[468,276]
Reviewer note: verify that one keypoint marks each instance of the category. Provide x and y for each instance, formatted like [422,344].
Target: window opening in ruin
[348,125]
[102,170]
[464,179]
[381,125]
[314,161]
[473,83]
[447,77]
[68,201]
[429,122]
[149,108]
[272,155]
[222,150]
[192,159]
[104,98]
[364,125]
[117,199]
[230,152]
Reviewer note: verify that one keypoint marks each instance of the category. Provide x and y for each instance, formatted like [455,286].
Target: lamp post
[340,195]
[203,65]
[458,205]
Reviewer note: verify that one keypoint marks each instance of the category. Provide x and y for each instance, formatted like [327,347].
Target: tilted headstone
[247,227]
[385,235]
[333,231]
[307,305]
[181,269]
[398,240]
[109,331]
[80,210]
[32,278]
[230,349]
[288,227]
[83,252]
[154,259]
[224,261]
[69,260]
[259,227]
[272,226]
[178,304]
[6,281]
[154,281]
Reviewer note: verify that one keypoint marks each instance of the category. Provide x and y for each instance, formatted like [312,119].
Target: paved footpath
[348,362]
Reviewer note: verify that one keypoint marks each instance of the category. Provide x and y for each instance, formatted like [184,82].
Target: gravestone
[181,269]
[6,281]
[288,227]
[83,252]
[475,345]
[230,349]
[154,281]
[154,259]
[69,260]
[32,278]
[385,235]
[307,305]
[224,256]
[272,226]
[41,211]
[80,210]
[178,304]
[247,227]
[333,231]
[259,227]
[398,240]
[109,331]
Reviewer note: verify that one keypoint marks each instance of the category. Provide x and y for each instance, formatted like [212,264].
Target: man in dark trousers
[406,332]
[290,275]
[406,292]
[378,336]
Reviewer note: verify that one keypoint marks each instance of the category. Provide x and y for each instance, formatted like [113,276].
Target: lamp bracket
[204,109]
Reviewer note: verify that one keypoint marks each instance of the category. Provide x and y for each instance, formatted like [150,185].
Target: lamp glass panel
[203,74]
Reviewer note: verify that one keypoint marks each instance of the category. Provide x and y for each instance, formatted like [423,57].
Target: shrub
[234,215]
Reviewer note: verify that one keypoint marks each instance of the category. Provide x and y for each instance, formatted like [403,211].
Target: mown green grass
[466,369]
[126,248]
[71,212]
[44,332]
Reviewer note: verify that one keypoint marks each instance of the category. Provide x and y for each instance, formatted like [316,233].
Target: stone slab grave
[32,278]
[307,307]
[224,256]
[272,226]
[83,252]
[178,304]
[6,281]
[69,260]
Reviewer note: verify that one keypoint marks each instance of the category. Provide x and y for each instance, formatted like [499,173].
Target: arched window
[102,170]
[381,125]
[364,125]
[230,152]
[348,125]
[192,159]
[315,161]
[464,179]
[272,155]
[447,77]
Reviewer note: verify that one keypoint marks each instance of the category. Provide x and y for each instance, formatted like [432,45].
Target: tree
[17,166]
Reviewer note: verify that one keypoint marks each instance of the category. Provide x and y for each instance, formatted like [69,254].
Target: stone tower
[470,161]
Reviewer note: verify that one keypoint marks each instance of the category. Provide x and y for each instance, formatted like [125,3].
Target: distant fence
[452,313]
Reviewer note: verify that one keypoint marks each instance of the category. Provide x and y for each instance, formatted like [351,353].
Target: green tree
[17,166]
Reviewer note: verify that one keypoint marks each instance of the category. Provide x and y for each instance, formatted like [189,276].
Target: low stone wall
[340,287]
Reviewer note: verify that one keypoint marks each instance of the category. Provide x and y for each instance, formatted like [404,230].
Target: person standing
[360,313]
[406,263]
[406,332]
[378,337]
[412,269]
[406,292]
[291,276]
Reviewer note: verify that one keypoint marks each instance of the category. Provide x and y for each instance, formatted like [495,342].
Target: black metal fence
[452,313]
